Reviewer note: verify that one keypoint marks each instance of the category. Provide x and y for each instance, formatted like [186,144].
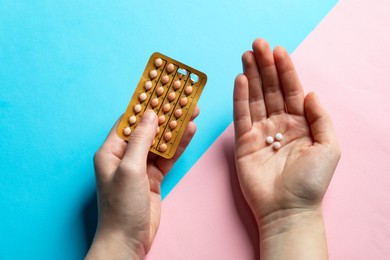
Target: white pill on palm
[276,145]
[269,139]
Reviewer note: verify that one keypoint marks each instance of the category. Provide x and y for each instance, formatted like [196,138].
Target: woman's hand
[128,179]
[280,185]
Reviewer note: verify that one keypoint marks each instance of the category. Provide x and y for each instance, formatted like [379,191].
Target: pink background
[346,60]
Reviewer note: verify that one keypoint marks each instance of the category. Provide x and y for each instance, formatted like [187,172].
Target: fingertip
[280,53]
[311,100]
[191,128]
[314,96]
[196,113]
[149,117]
[246,56]
[187,137]
[240,88]
[260,44]
[141,138]
[241,79]
[319,120]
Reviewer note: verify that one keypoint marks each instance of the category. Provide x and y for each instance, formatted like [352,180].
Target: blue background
[68,70]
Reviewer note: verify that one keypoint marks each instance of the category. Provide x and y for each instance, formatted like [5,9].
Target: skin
[128,180]
[285,187]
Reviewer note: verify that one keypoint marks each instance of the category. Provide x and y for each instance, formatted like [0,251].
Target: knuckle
[98,157]
[126,168]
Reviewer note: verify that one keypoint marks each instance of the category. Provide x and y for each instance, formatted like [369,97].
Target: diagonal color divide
[205,218]
[68,69]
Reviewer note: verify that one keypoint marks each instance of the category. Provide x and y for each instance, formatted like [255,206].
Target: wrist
[293,234]
[115,245]
[287,220]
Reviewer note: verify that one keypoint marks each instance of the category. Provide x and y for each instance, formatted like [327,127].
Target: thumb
[320,123]
[141,139]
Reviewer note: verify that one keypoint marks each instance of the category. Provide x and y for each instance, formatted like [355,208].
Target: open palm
[269,99]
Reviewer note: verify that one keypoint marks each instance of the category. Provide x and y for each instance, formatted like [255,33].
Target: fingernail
[315,96]
[148,117]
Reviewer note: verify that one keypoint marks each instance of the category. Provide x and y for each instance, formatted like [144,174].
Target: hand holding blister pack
[171,89]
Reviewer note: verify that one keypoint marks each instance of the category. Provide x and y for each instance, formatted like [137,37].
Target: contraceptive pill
[127,131]
[171,96]
[137,108]
[178,113]
[158,62]
[132,120]
[177,84]
[183,101]
[143,97]
[163,147]
[188,90]
[154,102]
[165,79]
[269,139]
[166,108]
[167,136]
[170,68]
[161,119]
[153,74]
[148,85]
[173,124]
[276,145]
[278,136]
[168,88]
[160,91]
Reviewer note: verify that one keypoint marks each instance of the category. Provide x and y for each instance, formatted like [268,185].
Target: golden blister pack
[172,90]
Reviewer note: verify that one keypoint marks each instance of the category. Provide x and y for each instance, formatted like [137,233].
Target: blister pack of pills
[171,89]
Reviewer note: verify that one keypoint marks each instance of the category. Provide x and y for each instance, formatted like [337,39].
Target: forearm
[293,234]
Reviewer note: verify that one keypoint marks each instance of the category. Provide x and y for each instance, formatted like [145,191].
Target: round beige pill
[159,91]
[178,113]
[161,119]
[153,74]
[137,108]
[148,85]
[173,124]
[157,130]
[154,102]
[171,96]
[127,131]
[166,108]
[183,101]
[170,68]
[165,79]
[142,97]
[132,120]
[188,90]
[153,142]
[177,84]
[163,148]
[158,62]
[276,145]
[168,136]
